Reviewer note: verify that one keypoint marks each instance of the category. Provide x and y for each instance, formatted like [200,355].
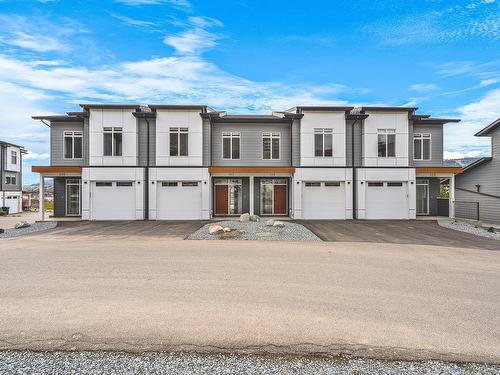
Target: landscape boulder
[254,218]
[215,229]
[22,224]
[245,218]
[227,230]
[270,222]
[279,224]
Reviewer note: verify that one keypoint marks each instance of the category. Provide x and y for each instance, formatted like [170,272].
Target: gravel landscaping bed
[108,363]
[463,226]
[256,230]
[35,227]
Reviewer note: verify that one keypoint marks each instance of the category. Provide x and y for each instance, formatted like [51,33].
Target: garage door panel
[323,200]
[179,200]
[13,202]
[387,200]
[113,200]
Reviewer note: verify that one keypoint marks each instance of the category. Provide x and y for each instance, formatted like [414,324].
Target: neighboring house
[162,162]
[480,182]
[11,165]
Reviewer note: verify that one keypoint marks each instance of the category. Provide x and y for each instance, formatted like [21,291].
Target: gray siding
[206,142]
[296,143]
[411,162]
[251,144]
[19,175]
[436,132]
[142,142]
[86,136]
[57,130]
[358,141]
[487,175]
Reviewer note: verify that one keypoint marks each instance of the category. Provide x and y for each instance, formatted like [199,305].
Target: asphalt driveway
[417,232]
[73,292]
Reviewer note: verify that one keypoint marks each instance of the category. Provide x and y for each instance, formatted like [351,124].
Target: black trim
[488,129]
[477,163]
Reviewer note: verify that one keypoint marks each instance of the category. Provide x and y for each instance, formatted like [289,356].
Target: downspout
[354,185]
[146,173]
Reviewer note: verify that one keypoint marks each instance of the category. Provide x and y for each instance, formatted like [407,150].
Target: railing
[467,210]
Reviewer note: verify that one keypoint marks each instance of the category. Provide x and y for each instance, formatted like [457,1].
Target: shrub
[491,230]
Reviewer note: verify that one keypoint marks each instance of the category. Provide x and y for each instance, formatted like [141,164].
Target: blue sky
[249,56]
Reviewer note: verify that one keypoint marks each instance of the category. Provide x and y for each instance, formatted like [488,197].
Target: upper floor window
[421,146]
[73,145]
[13,157]
[178,141]
[112,141]
[231,145]
[323,142]
[10,178]
[271,146]
[386,143]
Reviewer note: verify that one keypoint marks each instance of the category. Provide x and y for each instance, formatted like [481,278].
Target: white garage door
[178,200]
[13,202]
[386,200]
[323,200]
[113,200]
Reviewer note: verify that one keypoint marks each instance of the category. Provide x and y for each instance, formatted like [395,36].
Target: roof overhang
[438,170]
[187,107]
[57,169]
[488,129]
[56,118]
[312,108]
[434,121]
[109,106]
[388,109]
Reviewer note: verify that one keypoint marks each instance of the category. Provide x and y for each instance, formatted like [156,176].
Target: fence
[443,207]
[467,210]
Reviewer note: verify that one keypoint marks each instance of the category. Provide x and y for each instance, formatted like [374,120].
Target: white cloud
[196,38]
[424,87]
[38,43]
[133,21]
[181,4]
[36,156]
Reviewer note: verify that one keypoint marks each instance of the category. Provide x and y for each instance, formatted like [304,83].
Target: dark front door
[221,199]
[279,199]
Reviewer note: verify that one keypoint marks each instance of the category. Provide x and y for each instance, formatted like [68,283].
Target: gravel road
[109,363]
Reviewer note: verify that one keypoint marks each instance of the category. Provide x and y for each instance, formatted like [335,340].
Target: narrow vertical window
[112,141]
[73,148]
[422,146]
[323,142]
[13,157]
[271,146]
[231,145]
[386,142]
[179,142]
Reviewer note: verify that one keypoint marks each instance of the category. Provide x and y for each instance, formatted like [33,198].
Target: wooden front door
[221,198]
[280,199]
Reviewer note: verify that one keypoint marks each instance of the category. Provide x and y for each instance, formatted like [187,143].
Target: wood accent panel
[280,199]
[455,170]
[289,170]
[56,169]
[221,197]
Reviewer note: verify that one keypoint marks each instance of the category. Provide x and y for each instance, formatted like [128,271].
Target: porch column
[451,196]
[251,195]
[41,198]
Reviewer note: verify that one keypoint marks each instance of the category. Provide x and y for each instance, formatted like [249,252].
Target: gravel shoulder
[465,227]
[33,228]
[256,230]
[111,363]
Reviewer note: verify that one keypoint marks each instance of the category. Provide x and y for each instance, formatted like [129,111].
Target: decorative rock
[254,218]
[270,222]
[22,224]
[2,230]
[245,218]
[279,224]
[215,229]
[227,230]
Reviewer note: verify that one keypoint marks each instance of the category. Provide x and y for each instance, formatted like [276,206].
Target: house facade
[11,183]
[480,182]
[172,162]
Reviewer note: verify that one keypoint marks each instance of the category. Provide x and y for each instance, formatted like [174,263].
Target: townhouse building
[170,162]
[11,184]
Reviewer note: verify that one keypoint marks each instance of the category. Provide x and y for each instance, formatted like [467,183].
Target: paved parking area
[178,229]
[417,232]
